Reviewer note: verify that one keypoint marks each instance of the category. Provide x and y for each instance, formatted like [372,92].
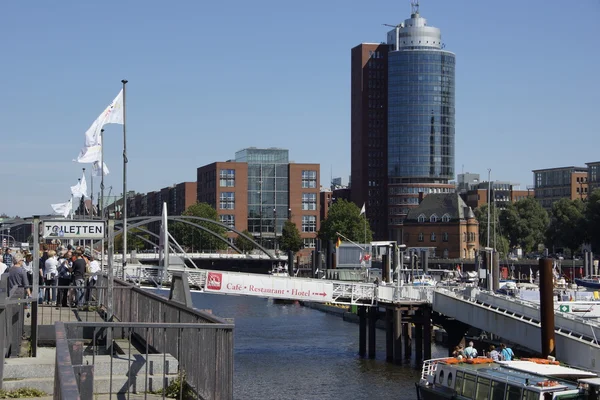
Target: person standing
[494,355]
[64,279]
[7,258]
[506,352]
[93,278]
[17,278]
[51,276]
[28,267]
[78,274]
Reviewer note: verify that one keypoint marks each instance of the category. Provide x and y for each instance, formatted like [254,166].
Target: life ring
[480,360]
[548,383]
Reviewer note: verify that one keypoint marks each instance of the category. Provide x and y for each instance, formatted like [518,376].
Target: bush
[21,393]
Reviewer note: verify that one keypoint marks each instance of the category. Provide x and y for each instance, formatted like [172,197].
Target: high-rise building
[593,178]
[402,123]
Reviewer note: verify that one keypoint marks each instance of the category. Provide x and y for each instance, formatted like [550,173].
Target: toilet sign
[73,229]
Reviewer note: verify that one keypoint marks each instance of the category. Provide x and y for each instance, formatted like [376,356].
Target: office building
[467,181]
[260,190]
[593,178]
[501,194]
[553,184]
[402,123]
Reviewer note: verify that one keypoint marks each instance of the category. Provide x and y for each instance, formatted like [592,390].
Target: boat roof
[525,372]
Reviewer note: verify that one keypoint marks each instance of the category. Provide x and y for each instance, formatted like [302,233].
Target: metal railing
[133,363]
[209,364]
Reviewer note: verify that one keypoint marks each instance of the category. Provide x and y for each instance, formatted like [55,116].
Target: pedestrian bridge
[512,319]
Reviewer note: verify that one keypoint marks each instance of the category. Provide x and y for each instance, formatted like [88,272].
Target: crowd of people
[470,352]
[66,275]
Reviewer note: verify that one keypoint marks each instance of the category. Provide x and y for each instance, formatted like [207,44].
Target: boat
[483,378]
[423,280]
[591,282]
[279,270]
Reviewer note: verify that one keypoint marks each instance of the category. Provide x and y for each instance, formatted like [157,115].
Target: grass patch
[178,388]
[21,393]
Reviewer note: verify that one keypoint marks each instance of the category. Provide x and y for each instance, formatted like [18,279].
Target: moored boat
[591,282]
[483,378]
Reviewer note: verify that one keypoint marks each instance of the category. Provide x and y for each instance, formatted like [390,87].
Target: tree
[290,237]
[242,243]
[525,223]
[592,214]
[343,217]
[191,236]
[496,230]
[133,240]
[567,224]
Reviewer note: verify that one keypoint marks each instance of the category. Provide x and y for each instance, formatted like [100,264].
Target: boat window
[450,379]
[513,393]
[498,389]
[441,377]
[459,380]
[483,388]
[531,395]
[469,386]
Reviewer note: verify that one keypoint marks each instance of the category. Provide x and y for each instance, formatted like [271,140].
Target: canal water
[286,351]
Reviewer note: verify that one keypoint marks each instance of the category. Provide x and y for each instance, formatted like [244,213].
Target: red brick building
[444,222]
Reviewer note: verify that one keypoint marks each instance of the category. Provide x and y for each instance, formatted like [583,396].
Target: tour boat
[483,378]
[423,280]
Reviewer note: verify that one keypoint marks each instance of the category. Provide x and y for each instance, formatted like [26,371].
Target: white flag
[63,208]
[362,210]
[90,154]
[112,114]
[80,189]
[96,169]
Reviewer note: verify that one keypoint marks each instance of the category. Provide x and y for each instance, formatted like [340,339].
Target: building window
[464,236]
[445,236]
[446,218]
[421,218]
[309,201]
[227,178]
[432,238]
[309,243]
[309,223]
[421,237]
[309,179]
[227,201]
[433,218]
[227,219]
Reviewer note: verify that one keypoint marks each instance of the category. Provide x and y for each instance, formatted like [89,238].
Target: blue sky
[209,78]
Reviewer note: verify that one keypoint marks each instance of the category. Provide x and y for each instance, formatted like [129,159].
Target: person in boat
[506,353]
[470,351]
[493,354]
[458,353]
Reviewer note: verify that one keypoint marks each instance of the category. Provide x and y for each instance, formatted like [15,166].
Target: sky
[207,79]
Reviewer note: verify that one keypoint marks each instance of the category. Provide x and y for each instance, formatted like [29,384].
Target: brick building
[260,190]
[444,222]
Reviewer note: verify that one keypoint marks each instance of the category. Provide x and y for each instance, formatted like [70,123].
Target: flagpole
[124,82]
[92,193]
[102,176]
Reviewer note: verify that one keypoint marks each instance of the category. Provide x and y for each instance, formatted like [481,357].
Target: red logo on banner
[214,280]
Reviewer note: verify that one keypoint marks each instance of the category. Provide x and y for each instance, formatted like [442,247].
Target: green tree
[343,217]
[290,237]
[242,243]
[592,214]
[567,224]
[133,240]
[525,223]
[496,230]
[196,238]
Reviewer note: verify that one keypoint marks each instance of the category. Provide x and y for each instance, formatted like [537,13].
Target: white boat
[483,378]
[423,280]
[279,270]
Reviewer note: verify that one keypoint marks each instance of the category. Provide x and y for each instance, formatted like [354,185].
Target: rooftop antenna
[414,6]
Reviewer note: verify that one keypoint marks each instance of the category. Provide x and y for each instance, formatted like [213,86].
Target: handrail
[65,383]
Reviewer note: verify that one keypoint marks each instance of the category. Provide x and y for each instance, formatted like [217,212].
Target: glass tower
[268,203]
[420,116]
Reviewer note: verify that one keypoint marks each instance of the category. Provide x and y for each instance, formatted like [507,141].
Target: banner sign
[268,286]
[73,229]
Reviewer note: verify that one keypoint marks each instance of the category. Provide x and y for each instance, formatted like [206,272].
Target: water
[294,352]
